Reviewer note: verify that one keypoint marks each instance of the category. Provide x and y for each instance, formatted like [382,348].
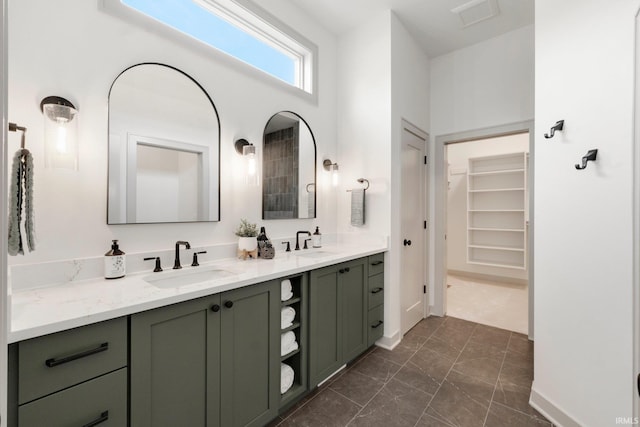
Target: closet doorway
[484,272]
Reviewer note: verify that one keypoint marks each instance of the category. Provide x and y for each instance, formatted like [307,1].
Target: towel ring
[362,181]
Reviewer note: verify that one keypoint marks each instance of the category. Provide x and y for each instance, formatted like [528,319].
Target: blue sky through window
[190,18]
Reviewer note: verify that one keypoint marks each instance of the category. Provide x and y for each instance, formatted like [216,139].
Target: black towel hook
[557,127]
[590,156]
[15,128]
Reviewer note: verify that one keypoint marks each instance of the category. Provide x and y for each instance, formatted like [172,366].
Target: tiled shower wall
[280,175]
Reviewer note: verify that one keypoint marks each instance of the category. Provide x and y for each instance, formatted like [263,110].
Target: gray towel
[21,197]
[357,207]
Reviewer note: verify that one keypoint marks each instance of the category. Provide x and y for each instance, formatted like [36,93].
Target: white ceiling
[431,22]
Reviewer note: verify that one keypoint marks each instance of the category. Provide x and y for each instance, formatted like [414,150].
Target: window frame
[252,19]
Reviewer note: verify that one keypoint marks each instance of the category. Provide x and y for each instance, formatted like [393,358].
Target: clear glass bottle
[316,238]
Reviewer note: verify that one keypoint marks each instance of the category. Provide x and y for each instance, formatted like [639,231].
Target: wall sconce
[60,129]
[329,166]
[248,152]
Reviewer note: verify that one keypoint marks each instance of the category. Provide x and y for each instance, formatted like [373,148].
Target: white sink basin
[190,276]
[313,254]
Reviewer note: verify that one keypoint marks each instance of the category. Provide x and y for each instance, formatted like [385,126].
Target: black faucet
[308,233]
[176,264]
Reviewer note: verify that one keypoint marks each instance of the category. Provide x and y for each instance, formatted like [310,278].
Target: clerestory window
[239,29]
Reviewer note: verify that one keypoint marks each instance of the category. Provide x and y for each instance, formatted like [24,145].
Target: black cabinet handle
[380,322]
[228,304]
[341,271]
[215,308]
[102,418]
[55,362]
[407,242]
[347,269]
[376,290]
[377,263]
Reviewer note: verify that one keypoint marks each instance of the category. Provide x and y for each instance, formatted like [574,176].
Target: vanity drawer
[375,325]
[376,264]
[53,362]
[376,290]
[101,401]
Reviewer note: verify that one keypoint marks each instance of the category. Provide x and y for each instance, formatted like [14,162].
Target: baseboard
[434,312]
[489,277]
[554,414]
[389,342]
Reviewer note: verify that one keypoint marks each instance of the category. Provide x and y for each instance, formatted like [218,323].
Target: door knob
[407,242]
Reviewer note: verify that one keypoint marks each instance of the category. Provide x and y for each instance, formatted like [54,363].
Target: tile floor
[446,372]
[501,305]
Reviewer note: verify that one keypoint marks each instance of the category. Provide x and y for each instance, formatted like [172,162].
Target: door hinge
[425,225]
[425,160]
[424,289]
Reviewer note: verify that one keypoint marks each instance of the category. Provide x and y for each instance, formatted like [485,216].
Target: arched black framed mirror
[288,168]
[164,148]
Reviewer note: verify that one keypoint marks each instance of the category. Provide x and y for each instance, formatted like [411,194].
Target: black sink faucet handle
[288,246]
[158,267]
[195,258]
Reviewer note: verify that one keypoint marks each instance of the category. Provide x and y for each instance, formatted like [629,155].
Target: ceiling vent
[476,11]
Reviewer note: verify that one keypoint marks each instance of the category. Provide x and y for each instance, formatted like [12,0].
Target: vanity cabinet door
[175,365]
[250,352]
[325,324]
[337,317]
[353,292]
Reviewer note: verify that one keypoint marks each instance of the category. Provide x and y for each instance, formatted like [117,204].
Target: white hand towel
[287,316]
[288,343]
[357,207]
[286,377]
[285,290]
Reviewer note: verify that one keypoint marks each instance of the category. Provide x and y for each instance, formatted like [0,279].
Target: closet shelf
[493,264]
[496,172]
[290,302]
[296,325]
[497,248]
[288,355]
[496,210]
[496,190]
[514,230]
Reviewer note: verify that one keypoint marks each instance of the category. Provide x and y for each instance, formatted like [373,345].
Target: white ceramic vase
[247,243]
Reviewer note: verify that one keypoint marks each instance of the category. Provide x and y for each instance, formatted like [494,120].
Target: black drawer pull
[55,362]
[377,262]
[376,290]
[341,271]
[380,322]
[228,304]
[347,269]
[103,417]
[215,308]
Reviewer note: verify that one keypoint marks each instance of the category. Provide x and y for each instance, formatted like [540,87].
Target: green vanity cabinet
[337,317]
[75,377]
[209,362]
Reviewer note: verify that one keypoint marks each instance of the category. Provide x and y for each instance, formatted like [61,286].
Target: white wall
[583,240]
[383,78]
[485,85]
[70,48]
[458,161]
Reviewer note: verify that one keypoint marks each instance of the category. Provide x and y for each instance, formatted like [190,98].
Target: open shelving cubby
[497,211]
[297,358]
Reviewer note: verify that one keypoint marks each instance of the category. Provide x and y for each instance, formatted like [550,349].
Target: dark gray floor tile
[455,335]
[428,421]
[426,327]
[481,361]
[398,355]
[501,416]
[520,343]
[328,408]
[461,400]
[518,375]
[461,324]
[490,335]
[397,404]
[275,422]
[523,360]
[357,387]
[377,367]
[425,370]
[443,348]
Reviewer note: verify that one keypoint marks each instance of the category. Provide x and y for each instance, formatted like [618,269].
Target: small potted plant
[247,233]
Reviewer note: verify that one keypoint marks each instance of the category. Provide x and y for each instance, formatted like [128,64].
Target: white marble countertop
[45,310]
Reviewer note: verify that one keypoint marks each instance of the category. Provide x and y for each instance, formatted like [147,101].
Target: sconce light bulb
[61,138]
[335,176]
[251,165]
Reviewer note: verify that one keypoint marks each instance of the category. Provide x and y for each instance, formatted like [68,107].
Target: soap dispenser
[316,238]
[114,262]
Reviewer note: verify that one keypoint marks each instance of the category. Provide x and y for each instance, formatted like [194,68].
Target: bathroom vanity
[202,354]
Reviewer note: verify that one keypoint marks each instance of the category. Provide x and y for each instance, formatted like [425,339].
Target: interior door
[413,216]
